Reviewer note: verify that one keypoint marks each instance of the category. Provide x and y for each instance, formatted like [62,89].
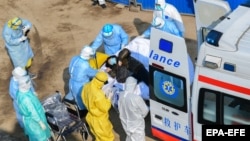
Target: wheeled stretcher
[63,117]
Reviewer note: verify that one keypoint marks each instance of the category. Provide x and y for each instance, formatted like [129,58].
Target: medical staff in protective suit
[32,111]
[168,11]
[17,74]
[80,73]
[17,43]
[132,111]
[166,25]
[98,106]
[113,37]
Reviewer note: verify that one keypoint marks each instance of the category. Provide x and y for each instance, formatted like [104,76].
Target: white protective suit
[132,110]
[166,10]
[17,73]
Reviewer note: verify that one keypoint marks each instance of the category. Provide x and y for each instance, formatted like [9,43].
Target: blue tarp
[183,6]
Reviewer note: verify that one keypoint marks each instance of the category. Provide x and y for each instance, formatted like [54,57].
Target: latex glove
[142,36]
[43,126]
[110,94]
[35,93]
[25,29]
[23,38]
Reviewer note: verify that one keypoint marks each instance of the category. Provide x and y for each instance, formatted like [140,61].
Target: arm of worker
[98,41]
[143,108]
[26,26]
[9,39]
[124,37]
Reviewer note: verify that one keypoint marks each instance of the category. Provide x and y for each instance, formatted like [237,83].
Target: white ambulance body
[220,92]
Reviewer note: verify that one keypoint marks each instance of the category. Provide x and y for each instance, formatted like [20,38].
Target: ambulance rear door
[207,14]
[169,87]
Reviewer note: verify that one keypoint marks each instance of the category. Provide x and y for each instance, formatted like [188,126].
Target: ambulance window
[236,111]
[207,106]
[168,89]
[166,45]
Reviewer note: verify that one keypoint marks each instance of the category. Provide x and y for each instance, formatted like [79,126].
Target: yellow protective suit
[98,60]
[98,106]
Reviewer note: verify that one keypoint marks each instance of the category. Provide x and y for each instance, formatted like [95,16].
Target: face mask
[112,61]
[158,7]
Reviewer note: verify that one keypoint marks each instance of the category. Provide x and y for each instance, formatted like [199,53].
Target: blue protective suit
[19,52]
[13,88]
[113,43]
[33,112]
[169,27]
[80,73]
[191,70]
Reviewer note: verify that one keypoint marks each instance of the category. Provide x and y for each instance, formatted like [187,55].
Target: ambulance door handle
[175,113]
[158,117]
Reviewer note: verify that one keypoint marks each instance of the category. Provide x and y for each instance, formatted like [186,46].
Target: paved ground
[60,29]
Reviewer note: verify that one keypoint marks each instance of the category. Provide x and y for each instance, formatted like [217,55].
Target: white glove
[110,94]
[23,38]
[35,93]
[25,29]
[43,126]
[142,36]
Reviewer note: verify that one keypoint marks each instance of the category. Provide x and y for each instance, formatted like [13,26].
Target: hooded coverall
[33,112]
[20,52]
[169,11]
[80,73]
[132,111]
[98,106]
[113,43]
[13,88]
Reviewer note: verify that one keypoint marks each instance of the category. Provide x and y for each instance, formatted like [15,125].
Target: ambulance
[219,92]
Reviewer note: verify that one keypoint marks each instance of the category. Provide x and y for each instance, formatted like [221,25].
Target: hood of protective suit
[162,3]
[130,84]
[24,83]
[18,72]
[107,30]
[86,52]
[15,23]
[100,79]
